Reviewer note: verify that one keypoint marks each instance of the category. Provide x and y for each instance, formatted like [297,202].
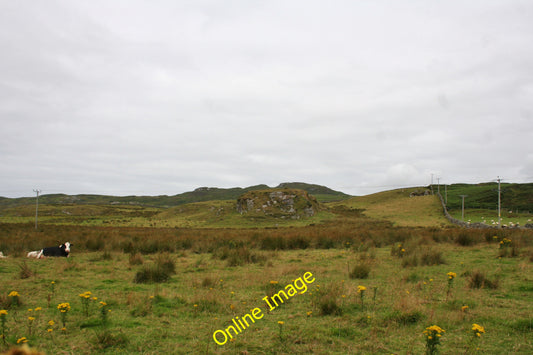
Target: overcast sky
[161,97]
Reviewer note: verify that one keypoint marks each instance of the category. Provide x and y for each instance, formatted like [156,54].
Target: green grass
[209,214]
[180,316]
[490,217]
[397,207]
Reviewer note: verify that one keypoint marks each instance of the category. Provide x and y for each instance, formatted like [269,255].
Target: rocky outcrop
[278,203]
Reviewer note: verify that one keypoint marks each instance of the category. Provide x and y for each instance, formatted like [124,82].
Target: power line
[37,191]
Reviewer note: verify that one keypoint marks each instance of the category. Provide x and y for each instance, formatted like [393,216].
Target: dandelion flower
[280,322]
[22,340]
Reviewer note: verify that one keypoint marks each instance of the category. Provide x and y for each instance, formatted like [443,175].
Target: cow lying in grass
[62,250]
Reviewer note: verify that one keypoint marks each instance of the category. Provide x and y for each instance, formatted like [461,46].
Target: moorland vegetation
[391,276]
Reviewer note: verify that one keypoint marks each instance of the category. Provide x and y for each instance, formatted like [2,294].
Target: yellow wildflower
[51,323]
[64,307]
[451,275]
[3,312]
[14,294]
[280,322]
[22,340]
[361,288]
[477,329]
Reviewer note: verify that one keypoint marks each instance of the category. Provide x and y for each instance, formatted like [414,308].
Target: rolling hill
[201,194]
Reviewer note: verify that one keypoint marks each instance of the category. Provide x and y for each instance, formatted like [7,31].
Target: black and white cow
[62,250]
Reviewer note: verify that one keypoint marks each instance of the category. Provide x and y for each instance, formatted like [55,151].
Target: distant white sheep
[2,255]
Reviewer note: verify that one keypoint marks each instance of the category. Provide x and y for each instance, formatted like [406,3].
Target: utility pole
[438,185]
[445,195]
[432,183]
[499,204]
[463,209]
[36,206]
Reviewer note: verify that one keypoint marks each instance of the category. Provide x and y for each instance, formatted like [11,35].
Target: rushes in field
[479,280]
[25,271]
[360,271]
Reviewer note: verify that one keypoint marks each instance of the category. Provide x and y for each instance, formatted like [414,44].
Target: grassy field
[222,274]
[490,217]
[172,277]
[397,207]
